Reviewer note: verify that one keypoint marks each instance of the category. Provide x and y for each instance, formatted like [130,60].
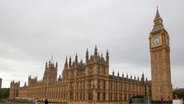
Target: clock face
[156,41]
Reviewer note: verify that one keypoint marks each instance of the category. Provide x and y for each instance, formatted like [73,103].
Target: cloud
[32,31]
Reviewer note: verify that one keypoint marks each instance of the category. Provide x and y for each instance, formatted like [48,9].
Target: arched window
[98,70]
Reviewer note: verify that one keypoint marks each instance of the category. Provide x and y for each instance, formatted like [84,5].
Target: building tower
[50,74]
[160,61]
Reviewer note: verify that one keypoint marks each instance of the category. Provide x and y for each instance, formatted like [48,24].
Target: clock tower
[161,86]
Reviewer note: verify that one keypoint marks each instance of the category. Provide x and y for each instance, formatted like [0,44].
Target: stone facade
[83,83]
[14,89]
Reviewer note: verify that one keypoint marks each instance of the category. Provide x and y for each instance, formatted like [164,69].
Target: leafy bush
[4,92]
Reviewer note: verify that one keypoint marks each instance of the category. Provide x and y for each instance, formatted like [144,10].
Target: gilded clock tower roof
[158,22]
[157,14]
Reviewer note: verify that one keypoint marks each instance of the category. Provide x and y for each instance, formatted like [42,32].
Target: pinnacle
[157,15]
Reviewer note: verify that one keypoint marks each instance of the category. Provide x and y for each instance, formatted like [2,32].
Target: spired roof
[158,23]
[157,15]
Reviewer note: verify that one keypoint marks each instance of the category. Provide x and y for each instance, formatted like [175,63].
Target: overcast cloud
[31,31]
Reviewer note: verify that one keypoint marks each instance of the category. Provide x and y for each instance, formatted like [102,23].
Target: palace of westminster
[85,83]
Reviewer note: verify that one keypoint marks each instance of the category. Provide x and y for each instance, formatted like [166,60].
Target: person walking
[46,101]
[36,101]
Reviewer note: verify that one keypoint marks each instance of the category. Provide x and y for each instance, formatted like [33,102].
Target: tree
[4,92]
[179,93]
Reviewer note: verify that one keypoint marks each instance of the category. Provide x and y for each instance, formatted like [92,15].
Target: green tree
[4,92]
[179,93]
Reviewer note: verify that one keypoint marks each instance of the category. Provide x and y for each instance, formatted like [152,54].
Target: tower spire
[87,55]
[158,22]
[157,14]
[66,63]
[70,61]
[95,52]
[76,58]
[107,57]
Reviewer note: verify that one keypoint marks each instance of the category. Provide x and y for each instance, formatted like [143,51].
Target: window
[111,86]
[115,96]
[98,84]
[110,96]
[104,96]
[98,96]
[71,86]
[77,96]
[115,86]
[89,84]
[90,95]
[90,71]
[120,97]
[80,96]
[84,85]
[104,71]
[84,97]
[160,55]
[120,86]
[125,96]
[80,85]
[98,70]
[71,96]
[104,85]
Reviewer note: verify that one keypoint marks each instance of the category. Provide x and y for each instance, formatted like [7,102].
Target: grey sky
[31,31]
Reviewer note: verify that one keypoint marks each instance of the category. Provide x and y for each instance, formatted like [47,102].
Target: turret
[50,73]
[95,51]
[123,75]
[87,55]
[66,64]
[76,58]
[70,62]
[107,57]
[59,79]
[81,62]
[142,78]
[25,84]
[14,89]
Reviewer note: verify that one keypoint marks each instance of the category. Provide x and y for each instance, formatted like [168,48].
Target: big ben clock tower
[161,86]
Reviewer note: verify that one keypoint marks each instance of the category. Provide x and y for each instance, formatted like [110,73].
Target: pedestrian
[46,101]
[35,101]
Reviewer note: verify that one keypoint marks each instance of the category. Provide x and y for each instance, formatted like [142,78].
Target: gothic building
[90,82]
